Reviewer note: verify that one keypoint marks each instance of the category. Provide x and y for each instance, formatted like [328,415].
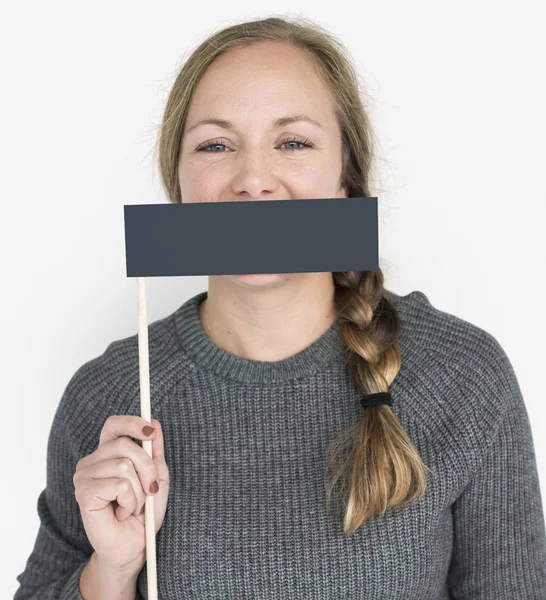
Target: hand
[111,486]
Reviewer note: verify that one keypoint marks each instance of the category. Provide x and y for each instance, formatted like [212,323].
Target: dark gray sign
[269,236]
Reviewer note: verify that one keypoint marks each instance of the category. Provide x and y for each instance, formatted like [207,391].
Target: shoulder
[120,359]
[109,383]
[445,335]
[427,332]
[456,379]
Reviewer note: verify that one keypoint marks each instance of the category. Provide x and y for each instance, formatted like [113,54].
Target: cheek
[199,183]
[311,180]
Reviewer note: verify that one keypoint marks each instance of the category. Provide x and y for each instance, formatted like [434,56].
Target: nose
[253,176]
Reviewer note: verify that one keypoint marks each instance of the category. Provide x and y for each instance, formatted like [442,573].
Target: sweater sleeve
[62,549]
[499,546]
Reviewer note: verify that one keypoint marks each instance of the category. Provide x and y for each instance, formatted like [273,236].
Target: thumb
[158,450]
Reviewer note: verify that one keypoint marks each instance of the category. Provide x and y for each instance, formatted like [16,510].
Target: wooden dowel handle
[146,413]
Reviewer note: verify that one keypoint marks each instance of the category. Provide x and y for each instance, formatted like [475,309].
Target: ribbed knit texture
[245,445]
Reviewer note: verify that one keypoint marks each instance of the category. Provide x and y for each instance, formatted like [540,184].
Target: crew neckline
[329,349]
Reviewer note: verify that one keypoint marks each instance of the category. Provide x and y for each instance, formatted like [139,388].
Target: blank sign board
[243,237]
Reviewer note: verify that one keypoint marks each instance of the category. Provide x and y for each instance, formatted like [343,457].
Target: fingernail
[147,430]
[154,488]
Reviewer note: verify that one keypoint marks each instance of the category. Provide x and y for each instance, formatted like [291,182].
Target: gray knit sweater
[245,444]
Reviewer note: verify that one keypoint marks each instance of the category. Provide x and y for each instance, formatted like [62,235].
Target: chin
[258,279]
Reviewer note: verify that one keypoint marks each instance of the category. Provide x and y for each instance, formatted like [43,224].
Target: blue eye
[214,144]
[305,144]
[302,142]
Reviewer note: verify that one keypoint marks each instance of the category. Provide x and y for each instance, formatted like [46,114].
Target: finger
[96,494]
[115,467]
[117,426]
[158,450]
[144,466]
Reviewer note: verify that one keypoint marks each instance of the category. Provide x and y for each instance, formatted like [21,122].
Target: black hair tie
[374,399]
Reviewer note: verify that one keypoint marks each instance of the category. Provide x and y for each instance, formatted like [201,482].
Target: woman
[256,386]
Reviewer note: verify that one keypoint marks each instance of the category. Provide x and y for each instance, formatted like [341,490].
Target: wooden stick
[146,413]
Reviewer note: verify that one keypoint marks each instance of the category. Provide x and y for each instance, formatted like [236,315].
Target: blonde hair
[374,460]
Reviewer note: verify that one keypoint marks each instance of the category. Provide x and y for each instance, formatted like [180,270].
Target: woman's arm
[62,552]
[499,546]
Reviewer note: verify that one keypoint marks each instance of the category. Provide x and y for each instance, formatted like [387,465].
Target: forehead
[265,77]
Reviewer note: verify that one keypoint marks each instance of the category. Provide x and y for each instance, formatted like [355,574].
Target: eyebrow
[278,123]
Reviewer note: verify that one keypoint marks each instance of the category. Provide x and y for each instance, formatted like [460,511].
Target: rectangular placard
[243,237]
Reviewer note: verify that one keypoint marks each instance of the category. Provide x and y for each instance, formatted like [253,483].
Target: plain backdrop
[457,96]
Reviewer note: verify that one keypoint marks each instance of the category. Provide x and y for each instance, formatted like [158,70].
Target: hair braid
[374,457]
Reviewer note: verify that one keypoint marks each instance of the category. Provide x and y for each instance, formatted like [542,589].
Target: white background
[458,96]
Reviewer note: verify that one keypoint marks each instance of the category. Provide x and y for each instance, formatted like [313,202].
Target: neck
[268,317]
